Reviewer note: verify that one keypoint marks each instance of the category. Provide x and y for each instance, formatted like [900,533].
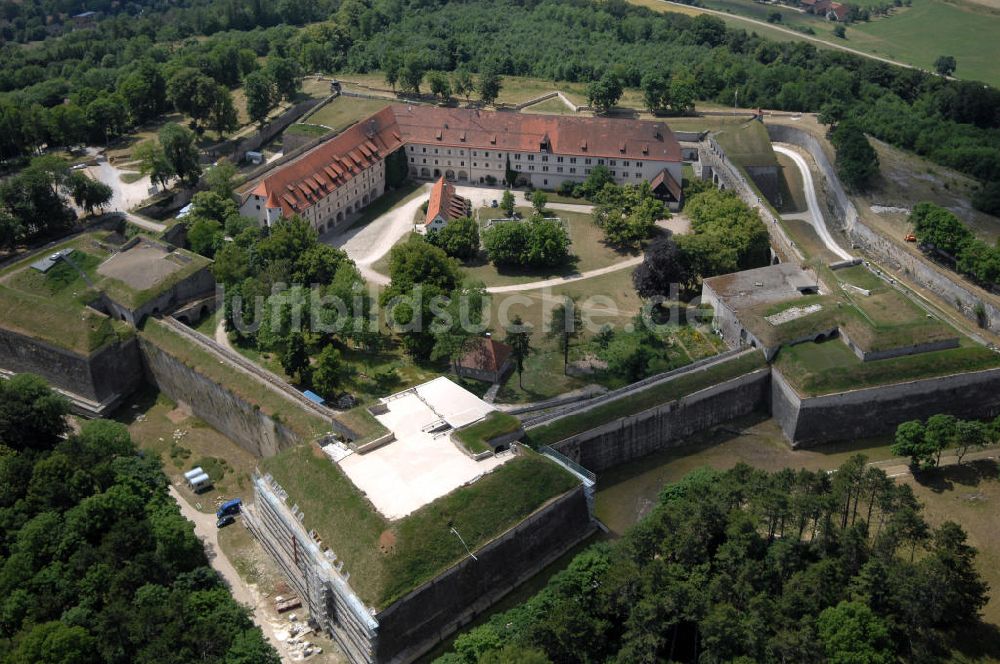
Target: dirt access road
[205,530]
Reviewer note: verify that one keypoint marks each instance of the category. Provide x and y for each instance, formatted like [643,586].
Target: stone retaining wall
[107,375]
[811,421]
[238,420]
[421,619]
[667,425]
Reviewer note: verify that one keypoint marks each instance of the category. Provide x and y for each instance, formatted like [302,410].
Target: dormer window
[438,135]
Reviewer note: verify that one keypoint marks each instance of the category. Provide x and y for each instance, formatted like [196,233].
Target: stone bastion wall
[811,421]
[667,425]
[949,286]
[415,623]
[239,420]
[107,375]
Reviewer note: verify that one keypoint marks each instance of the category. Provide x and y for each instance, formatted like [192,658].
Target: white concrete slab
[419,467]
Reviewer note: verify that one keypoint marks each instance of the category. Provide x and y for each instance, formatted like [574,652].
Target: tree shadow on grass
[977,642]
[970,474]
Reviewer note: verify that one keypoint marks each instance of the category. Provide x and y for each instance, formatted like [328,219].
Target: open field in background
[931,28]
[916,35]
[732,22]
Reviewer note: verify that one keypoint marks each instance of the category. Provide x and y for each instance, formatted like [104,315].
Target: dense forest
[128,60]
[96,562]
[747,566]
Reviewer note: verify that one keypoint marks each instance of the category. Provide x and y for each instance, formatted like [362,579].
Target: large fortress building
[467,146]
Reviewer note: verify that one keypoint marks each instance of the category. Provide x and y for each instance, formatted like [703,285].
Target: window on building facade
[600,162]
[614,163]
[572,160]
[545,169]
[587,161]
[545,181]
[559,169]
[475,154]
[424,149]
[559,160]
[517,157]
[531,168]
[572,170]
[638,164]
[531,157]
[545,157]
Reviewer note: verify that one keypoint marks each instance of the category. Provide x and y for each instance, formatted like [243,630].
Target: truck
[229,507]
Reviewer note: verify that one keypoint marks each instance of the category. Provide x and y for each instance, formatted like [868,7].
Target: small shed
[200,483]
[315,398]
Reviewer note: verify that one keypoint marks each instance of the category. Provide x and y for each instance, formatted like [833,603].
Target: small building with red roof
[444,205]
[488,360]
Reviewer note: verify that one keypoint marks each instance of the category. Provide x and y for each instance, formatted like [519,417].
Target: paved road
[205,530]
[815,211]
[796,34]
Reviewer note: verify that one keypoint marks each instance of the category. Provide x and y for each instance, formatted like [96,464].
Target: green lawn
[645,399]
[307,129]
[51,307]
[342,112]
[588,252]
[475,437]
[829,367]
[421,544]
[554,106]
[916,35]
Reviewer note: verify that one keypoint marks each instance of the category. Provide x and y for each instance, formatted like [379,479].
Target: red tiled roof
[486,355]
[841,11]
[666,179]
[520,132]
[445,201]
[309,178]
[306,180]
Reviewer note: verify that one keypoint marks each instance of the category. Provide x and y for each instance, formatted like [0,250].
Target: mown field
[916,35]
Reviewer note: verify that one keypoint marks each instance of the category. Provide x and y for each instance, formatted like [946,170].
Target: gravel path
[366,244]
[815,214]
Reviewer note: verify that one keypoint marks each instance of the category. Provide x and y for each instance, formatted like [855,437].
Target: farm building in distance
[346,173]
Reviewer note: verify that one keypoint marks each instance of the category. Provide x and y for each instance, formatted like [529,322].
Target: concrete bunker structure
[732,296]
